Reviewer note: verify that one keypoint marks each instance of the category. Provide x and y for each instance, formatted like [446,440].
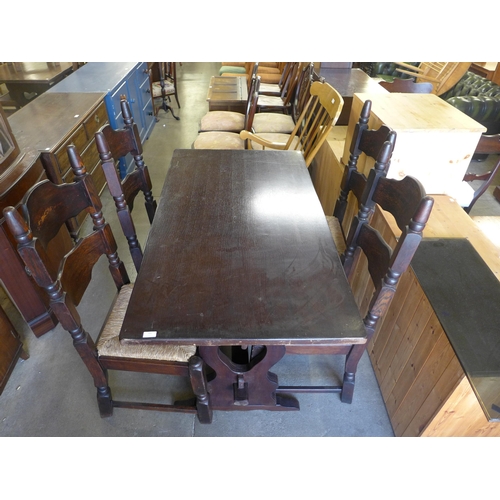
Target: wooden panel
[462,416]
[95,121]
[10,348]
[79,140]
[415,365]
[326,169]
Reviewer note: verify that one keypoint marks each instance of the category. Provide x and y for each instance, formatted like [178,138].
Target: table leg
[249,386]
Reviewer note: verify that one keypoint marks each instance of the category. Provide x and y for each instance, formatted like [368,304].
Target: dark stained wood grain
[240,253]
[348,82]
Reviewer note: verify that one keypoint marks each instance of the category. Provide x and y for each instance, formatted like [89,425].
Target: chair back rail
[111,145]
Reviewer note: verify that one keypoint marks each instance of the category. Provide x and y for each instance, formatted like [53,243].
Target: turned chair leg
[200,389]
[351,365]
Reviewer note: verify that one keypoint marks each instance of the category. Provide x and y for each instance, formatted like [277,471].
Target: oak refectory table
[240,254]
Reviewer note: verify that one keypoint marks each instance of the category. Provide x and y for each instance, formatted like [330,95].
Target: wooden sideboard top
[51,118]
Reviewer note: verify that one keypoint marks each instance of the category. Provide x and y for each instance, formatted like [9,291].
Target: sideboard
[115,79]
[11,348]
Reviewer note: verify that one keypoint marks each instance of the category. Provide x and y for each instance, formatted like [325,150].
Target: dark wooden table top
[350,81]
[33,72]
[240,253]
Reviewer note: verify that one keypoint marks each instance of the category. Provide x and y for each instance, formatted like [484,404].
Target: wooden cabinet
[53,121]
[425,389]
[11,348]
[114,80]
[435,141]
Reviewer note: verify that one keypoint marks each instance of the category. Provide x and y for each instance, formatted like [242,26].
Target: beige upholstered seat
[230,121]
[273,122]
[230,140]
[109,344]
[219,140]
[223,120]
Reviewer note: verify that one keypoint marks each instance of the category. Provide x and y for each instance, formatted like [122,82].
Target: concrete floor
[52,394]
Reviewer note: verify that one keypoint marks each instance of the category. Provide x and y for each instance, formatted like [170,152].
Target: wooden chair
[406,200]
[443,75]
[112,145]
[164,85]
[276,89]
[269,72]
[230,140]
[303,90]
[407,86]
[283,102]
[269,122]
[312,128]
[228,121]
[488,144]
[377,144]
[44,210]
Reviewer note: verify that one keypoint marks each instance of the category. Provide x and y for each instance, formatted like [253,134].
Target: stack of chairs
[297,113]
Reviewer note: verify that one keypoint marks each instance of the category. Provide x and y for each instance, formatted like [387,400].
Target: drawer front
[79,139]
[96,120]
[98,177]
[90,158]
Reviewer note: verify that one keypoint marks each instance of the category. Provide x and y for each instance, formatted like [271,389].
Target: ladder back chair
[320,114]
[406,200]
[44,209]
[377,144]
[111,145]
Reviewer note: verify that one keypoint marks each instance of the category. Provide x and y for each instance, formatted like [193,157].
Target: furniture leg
[249,386]
[351,365]
[200,389]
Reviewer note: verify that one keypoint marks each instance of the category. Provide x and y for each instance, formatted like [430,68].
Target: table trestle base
[303,389]
[188,406]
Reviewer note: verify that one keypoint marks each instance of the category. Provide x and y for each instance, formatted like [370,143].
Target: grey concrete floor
[52,394]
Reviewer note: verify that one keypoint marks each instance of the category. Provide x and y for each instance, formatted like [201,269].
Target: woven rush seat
[337,234]
[109,344]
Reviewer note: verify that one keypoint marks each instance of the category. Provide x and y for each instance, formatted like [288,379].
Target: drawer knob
[96,118]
